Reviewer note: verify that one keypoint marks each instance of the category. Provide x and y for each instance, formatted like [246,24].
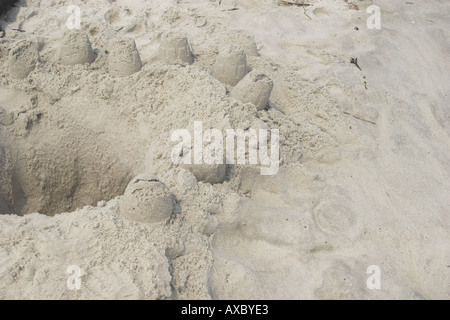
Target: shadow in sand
[9,9]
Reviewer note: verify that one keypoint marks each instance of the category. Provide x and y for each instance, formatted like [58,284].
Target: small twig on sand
[304,11]
[355,62]
[359,118]
[289,3]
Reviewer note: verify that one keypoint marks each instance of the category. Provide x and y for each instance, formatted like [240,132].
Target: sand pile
[174,48]
[88,180]
[231,65]
[255,88]
[124,58]
[148,200]
[23,58]
[75,48]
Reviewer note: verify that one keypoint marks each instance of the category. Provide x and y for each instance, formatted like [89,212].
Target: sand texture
[87,177]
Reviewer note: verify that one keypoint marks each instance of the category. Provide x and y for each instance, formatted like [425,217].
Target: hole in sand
[51,163]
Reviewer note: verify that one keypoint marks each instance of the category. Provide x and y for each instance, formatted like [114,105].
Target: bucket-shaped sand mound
[255,88]
[247,42]
[124,58]
[231,65]
[22,59]
[175,48]
[75,48]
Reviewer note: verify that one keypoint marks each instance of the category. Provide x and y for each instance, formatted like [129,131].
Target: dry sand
[86,176]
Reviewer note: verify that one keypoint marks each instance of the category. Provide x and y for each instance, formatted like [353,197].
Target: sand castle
[124,58]
[174,48]
[231,65]
[247,42]
[75,48]
[255,88]
[154,203]
[22,59]
[147,200]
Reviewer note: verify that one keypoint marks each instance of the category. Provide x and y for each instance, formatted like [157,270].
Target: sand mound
[124,58]
[255,88]
[23,58]
[231,65]
[147,200]
[175,48]
[75,48]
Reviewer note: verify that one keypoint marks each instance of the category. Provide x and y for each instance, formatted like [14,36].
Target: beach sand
[88,183]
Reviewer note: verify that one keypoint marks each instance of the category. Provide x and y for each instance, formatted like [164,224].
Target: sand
[87,179]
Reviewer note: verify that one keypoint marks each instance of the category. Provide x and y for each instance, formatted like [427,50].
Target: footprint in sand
[332,217]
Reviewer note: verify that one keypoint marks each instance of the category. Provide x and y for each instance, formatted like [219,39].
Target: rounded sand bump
[255,88]
[146,200]
[76,48]
[247,42]
[231,65]
[124,58]
[213,174]
[23,57]
[175,48]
